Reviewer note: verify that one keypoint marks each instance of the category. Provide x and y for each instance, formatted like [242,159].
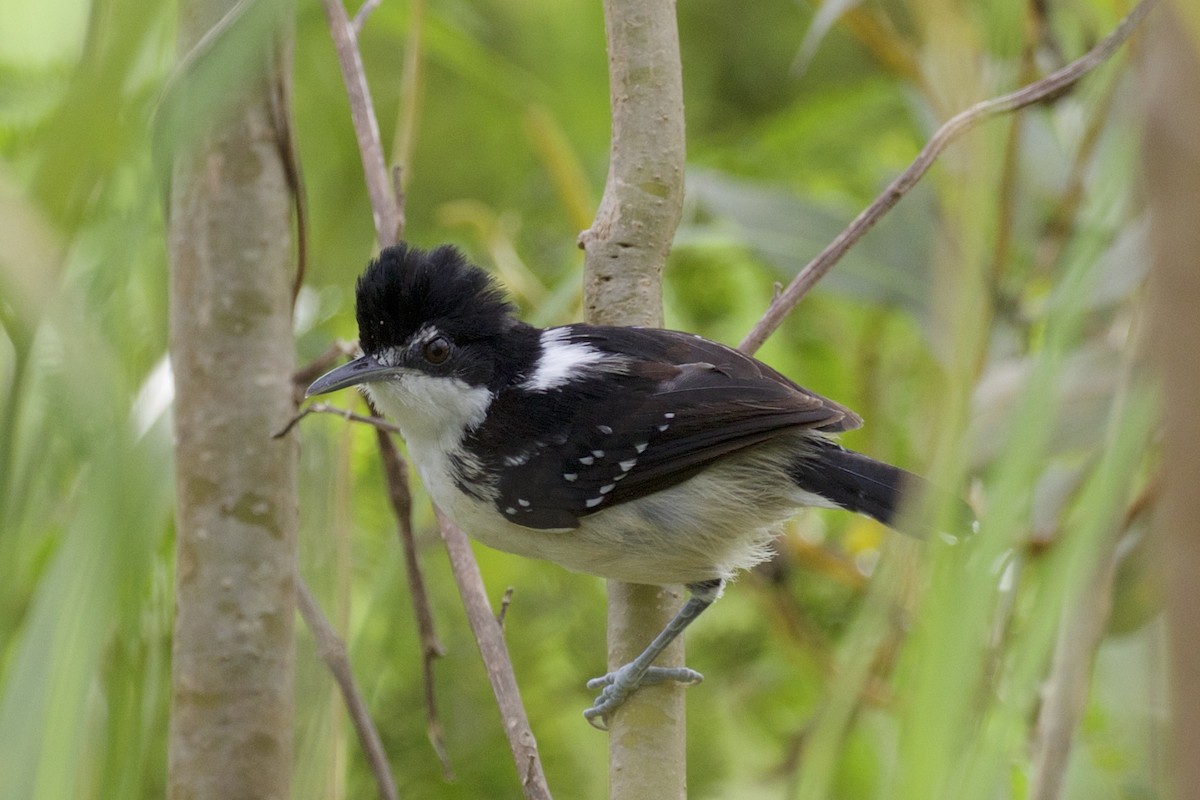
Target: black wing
[662,409]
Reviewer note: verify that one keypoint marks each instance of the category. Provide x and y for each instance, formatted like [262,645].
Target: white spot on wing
[593,502]
[510,510]
[522,502]
[641,446]
[587,461]
[570,476]
[628,465]
[608,487]
[606,430]
[598,453]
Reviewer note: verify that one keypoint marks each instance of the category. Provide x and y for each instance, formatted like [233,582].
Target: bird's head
[438,338]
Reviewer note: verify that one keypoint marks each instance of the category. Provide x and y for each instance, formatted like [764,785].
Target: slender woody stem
[1047,88]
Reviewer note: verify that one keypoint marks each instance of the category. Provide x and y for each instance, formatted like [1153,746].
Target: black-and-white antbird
[644,455]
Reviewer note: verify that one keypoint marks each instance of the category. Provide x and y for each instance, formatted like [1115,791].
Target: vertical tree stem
[1172,161]
[231,348]
[626,248]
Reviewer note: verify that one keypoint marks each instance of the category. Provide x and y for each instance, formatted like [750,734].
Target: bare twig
[389,224]
[395,471]
[1047,88]
[505,602]
[490,639]
[1066,688]
[289,152]
[202,47]
[360,16]
[389,220]
[333,652]
[1065,691]
[1061,221]
[325,408]
[411,84]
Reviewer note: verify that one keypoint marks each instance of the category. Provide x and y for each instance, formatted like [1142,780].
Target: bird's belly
[706,527]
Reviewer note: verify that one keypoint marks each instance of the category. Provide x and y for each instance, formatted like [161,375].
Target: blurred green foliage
[987,330]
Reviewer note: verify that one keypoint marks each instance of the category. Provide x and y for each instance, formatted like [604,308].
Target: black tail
[853,481]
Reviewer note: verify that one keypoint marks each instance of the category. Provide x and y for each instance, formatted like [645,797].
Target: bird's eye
[436,350]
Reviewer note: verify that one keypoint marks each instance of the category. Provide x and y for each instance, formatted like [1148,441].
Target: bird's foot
[620,684]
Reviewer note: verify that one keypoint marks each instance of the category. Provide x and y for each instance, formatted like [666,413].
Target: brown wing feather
[696,401]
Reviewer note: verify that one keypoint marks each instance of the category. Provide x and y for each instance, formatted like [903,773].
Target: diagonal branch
[396,473]
[388,215]
[490,637]
[346,414]
[389,224]
[1046,89]
[360,16]
[332,650]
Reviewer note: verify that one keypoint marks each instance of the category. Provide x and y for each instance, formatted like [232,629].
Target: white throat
[431,412]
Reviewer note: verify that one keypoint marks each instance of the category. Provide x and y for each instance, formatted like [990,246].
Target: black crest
[407,287]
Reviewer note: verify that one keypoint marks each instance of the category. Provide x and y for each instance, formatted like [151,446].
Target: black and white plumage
[639,454]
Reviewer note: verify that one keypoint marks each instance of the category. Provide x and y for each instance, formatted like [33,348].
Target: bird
[638,454]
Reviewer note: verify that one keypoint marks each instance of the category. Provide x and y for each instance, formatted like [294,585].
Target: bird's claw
[620,684]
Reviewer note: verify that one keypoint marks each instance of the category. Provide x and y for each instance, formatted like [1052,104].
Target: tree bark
[236,517]
[1172,161]
[626,248]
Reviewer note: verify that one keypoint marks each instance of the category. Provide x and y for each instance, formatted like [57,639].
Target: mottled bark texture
[628,243]
[231,349]
[626,248]
[1172,161]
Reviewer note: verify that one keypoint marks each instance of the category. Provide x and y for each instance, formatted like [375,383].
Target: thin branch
[1061,220]
[395,471]
[203,46]
[389,224]
[360,16]
[389,220]
[1047,88]
[490,638]
[411,85]
[289,152]
[333,652]
[325,408]
[505,602]
[1065,690]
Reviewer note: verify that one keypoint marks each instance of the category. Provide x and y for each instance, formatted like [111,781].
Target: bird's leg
[622,682]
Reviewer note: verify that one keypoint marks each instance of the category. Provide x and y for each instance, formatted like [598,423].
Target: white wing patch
[563,361]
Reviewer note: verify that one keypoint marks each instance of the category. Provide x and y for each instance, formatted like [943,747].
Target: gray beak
[361,370]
